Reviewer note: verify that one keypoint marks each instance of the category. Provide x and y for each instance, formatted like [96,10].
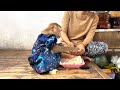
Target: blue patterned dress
[42,59]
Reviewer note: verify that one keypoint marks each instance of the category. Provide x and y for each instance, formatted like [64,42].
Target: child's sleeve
[51,42]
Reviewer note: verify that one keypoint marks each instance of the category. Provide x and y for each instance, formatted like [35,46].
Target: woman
[78,30]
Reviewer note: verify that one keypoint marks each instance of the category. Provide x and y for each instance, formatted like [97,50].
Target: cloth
[95,49]
[42,59]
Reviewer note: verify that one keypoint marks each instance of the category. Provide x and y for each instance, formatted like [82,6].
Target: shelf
[109,36]
[107,30]
[114,16]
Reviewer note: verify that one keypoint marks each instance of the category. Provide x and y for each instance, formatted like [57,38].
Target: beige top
[79,28]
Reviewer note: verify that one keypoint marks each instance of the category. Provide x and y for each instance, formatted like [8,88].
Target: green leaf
[111,65]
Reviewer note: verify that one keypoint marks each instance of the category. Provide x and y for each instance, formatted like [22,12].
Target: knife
[58,48]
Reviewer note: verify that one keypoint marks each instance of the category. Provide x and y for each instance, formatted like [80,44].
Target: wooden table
[14,65]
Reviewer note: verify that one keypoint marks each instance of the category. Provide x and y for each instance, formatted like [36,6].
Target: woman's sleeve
[65,21]
[91,33]
[51,42]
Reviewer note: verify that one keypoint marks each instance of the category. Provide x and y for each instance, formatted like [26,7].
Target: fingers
[70,44]
[78,52]
[74,53]
[81,51]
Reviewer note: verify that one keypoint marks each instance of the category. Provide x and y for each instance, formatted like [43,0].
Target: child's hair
[54,24]
[50,26]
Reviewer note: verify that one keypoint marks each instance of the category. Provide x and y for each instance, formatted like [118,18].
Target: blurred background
[19,29]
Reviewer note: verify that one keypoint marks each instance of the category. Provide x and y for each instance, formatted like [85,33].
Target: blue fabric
[42,59]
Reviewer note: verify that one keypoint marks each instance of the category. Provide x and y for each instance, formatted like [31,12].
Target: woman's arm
[91,33]
[65,27]
[89,36]
[65,39]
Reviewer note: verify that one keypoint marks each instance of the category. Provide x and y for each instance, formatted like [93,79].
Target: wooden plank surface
[104,75]
[112,38]
[14,65]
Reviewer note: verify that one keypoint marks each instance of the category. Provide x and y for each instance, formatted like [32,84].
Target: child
[42,59]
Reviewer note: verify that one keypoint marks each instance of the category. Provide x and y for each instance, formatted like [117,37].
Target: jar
[103,20]
[116,23]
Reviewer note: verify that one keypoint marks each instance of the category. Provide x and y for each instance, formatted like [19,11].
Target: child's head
[53,28]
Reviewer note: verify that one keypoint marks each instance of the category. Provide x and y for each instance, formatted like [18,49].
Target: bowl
[77,62]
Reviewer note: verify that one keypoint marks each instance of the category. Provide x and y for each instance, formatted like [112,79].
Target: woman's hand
[70,44]
[81,48]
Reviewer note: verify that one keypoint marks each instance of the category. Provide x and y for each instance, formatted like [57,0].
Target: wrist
[81,44]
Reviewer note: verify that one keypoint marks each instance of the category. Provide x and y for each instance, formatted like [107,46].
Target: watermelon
[100,61]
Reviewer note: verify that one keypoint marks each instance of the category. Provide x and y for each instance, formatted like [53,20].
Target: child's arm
[51,42]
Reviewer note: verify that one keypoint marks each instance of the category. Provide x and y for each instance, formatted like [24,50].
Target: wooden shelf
[107,30]
[109,36]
